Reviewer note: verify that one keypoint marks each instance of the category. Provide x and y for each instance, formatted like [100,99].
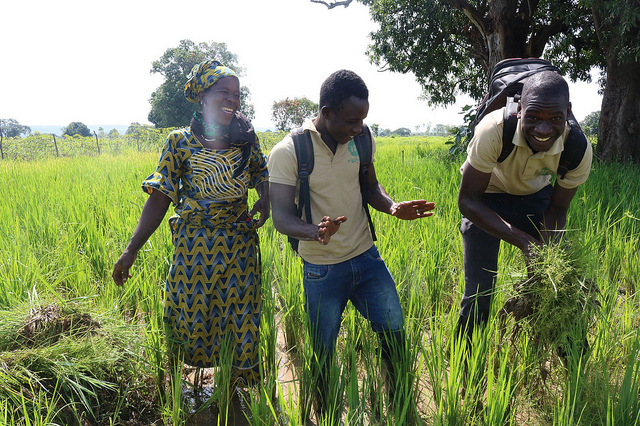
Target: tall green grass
[64,221]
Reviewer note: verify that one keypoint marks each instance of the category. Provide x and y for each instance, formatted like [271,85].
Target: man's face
[543,120]
[345,123]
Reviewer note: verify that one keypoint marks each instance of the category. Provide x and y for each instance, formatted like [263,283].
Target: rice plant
[74,347]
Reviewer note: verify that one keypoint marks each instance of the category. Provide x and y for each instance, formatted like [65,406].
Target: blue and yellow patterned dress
[213,289]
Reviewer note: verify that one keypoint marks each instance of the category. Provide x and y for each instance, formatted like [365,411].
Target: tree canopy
[290,113]
[77,128]
[608,39]
[10,128]
[169,108]
[135,128]
[451,46]
[590,123]
[402,131]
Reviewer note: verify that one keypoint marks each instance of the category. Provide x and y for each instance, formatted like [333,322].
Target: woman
[212,292]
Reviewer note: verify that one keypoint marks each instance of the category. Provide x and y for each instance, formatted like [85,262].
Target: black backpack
[505,88]
[304,153]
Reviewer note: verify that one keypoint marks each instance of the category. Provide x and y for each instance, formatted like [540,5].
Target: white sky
[89,61]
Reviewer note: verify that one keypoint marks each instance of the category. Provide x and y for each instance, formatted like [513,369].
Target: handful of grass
[557,303]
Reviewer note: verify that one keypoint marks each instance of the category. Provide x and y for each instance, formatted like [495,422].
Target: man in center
[341,262]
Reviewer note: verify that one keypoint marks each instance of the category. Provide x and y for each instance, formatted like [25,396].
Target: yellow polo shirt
[335,191]
[522,172]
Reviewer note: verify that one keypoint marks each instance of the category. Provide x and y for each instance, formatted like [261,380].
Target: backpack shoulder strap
[509,125]
[364,144]
[304,154]
[574,148]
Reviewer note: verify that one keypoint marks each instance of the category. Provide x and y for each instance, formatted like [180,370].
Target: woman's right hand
[152,214]
[121,273]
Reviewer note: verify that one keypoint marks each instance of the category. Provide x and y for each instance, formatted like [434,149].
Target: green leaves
[451,46]
[10,128]
[290,113]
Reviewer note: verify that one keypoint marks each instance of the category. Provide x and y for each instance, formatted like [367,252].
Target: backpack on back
[505,89]
[304,154]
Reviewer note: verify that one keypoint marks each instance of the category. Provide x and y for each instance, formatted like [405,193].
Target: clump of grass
[557,303]
[90,360]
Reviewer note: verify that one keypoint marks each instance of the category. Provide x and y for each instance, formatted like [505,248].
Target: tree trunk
[619,129]
[507,33]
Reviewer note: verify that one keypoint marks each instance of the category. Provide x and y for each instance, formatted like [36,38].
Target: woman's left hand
[263,208]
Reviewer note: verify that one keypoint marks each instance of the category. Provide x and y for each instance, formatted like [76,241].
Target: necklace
[211,128]
[204,129]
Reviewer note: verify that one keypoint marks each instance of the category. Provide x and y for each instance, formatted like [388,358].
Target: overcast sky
[89,61]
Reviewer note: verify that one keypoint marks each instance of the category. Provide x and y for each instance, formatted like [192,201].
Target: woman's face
[221,101]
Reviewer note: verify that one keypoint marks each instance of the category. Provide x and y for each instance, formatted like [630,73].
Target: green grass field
[76,349]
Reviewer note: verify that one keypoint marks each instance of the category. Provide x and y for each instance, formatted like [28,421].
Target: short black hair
[340,86]
[547,85]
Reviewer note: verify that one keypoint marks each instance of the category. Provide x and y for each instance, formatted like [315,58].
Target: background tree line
[451,46]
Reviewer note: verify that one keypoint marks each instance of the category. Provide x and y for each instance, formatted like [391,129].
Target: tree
[439,130]
[617,25]
[135,128]
[451,46]
[113,133]
[402,131]
[169,108]
[290,113]
[590,123]
[375,128]
[10,128]
[609,41]
[77,128]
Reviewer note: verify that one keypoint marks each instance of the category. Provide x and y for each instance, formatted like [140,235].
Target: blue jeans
[368,284]
[365,281]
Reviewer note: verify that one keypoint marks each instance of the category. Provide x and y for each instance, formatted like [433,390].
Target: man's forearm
[295,227]
[490,222]
[379,199]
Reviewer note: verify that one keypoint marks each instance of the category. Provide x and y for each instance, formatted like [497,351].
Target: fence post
[1,151]
[55,144]
[97,144]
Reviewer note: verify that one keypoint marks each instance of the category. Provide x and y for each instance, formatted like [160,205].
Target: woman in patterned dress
[212,291]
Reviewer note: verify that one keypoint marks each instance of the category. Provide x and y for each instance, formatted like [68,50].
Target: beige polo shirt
[522,172]
[335,191]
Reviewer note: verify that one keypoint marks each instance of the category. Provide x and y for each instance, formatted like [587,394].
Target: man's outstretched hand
[411,210]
